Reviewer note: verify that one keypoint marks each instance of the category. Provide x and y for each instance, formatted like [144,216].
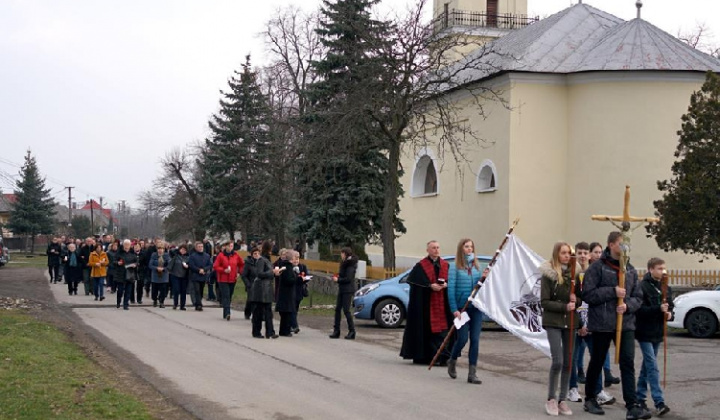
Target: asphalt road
[216,370]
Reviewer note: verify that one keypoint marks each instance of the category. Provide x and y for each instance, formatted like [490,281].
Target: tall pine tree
[234,154]
[690,208]
[343,171]
[33,211]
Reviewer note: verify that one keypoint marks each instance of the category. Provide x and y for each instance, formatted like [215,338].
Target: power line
[48,177]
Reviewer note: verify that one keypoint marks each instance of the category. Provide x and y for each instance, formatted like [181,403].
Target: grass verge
[26,259]
[43,375]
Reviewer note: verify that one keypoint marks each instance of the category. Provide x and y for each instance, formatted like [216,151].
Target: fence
[331,267]
[691,278]
[451,18]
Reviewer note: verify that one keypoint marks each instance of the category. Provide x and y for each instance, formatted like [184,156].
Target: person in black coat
[53,252]
[300,290]
[428,313]
[126,267]
[601,291]
[145,262]
[200,266]
[286,292]
[649,332]
[346,289]
[258,277]
[73,268]
[85,251]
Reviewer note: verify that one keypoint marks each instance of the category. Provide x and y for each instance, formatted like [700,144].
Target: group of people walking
[133,267]
[439,291]
[596,301]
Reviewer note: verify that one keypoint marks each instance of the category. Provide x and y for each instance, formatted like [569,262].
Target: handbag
[305,290]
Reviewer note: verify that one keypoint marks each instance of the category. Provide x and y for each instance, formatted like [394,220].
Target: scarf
[73,259]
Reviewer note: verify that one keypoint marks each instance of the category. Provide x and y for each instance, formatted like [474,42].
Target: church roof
[582,38]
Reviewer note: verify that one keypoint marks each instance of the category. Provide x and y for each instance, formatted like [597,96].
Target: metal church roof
[582,38]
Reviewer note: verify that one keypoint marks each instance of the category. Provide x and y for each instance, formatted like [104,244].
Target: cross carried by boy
[626,230]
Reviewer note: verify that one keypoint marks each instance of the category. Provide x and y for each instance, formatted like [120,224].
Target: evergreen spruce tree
[690,208]
[234,154]
[344,170]
[81,227]
[33,211]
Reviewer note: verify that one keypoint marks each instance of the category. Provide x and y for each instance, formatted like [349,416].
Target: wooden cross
[626,231]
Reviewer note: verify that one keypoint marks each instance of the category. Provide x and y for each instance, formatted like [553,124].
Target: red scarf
[438,319]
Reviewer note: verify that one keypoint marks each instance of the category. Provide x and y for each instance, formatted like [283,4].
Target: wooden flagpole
[573,263]
[474,291]
[664,285]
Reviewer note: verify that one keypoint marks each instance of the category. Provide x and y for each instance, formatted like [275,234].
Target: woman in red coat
[228,265]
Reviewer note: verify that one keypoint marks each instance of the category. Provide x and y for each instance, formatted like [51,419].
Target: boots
[452,363]
[472,377]
[350,335]
[335,334]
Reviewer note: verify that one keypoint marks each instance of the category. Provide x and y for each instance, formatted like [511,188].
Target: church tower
[478,21]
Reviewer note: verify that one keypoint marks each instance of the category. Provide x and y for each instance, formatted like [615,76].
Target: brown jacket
[101,258]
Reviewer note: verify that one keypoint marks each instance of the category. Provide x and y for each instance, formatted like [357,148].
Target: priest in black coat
[428,312]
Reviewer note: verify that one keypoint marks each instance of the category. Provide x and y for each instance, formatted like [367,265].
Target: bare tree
[175,196]
[698,39]
[293,45]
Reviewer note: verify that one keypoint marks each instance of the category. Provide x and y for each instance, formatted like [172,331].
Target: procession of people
[580,296]
[160,271]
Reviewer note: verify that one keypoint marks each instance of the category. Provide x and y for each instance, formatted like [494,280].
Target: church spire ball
[639,6]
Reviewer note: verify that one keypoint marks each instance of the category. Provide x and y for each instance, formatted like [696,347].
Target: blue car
[386,301]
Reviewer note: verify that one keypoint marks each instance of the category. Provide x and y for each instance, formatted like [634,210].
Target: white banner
[511,294]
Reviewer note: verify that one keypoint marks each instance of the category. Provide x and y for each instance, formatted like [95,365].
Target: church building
[593,103]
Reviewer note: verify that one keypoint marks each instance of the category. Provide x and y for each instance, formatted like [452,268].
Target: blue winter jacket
[155,262]
[197,261]
[460,285]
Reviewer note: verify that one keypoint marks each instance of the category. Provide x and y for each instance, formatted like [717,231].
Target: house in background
[6,201]
[595,103]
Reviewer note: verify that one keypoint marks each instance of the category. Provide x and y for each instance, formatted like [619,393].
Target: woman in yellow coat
[98,263]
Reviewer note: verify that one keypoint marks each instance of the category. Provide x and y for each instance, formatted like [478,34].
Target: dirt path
[29,288]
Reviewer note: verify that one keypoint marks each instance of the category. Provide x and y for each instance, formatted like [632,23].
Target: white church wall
[538,172]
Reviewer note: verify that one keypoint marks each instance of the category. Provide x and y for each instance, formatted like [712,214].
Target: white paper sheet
[464,318]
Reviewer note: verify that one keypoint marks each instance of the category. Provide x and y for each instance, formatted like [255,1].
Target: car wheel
[701,323]
[389,313]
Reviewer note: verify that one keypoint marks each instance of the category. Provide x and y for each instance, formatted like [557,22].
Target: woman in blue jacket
[159,275]
[463,275]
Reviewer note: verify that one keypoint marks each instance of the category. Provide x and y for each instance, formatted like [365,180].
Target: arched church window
[487,177]
[425,178]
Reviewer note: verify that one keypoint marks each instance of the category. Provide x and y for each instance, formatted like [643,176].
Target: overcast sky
[100,90]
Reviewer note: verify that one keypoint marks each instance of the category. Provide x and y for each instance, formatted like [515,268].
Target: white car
[698,312]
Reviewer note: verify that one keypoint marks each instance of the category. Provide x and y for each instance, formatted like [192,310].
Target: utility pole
[92,219]
[69,207]
[101,212]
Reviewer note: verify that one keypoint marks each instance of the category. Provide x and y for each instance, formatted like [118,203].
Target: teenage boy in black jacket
[601,291]
[650,321]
